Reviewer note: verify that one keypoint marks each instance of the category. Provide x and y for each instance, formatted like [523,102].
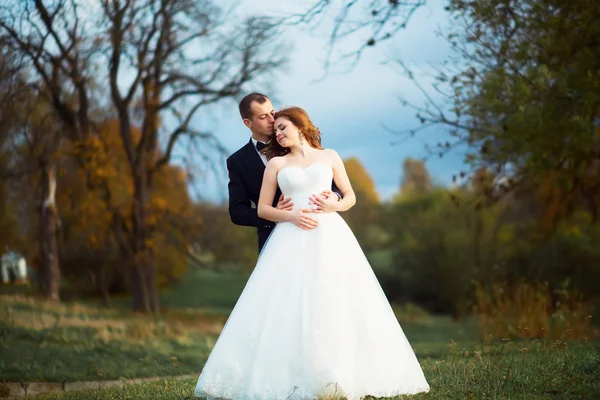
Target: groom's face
[262,118]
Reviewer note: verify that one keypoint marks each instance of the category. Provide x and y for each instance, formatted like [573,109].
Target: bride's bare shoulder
[331,154]
[276,162]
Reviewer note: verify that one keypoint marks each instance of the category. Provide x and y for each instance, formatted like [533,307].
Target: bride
[312,321]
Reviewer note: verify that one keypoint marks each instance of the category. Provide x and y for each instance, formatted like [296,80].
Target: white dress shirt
[262,156]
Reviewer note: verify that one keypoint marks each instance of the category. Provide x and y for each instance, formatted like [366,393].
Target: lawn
[79,341]
[506,371]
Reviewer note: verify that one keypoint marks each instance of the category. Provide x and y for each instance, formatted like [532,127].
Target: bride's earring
[301,139]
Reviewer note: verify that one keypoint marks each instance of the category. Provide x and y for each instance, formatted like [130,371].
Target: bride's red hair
[299,117]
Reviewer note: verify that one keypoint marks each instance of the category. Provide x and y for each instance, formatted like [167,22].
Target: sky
[354,111]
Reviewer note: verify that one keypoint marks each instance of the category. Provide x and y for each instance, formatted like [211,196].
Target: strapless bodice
[300,183]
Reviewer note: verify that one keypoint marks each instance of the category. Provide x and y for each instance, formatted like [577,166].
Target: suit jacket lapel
[255,165]
[257,162]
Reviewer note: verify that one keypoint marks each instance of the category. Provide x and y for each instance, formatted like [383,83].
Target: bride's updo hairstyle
[301,120]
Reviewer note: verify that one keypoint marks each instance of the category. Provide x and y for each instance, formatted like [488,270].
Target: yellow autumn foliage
[97,193]
[361,180]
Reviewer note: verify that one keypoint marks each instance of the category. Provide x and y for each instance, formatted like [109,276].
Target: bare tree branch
[372,21]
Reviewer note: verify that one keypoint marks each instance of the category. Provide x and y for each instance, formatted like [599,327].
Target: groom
[247,166]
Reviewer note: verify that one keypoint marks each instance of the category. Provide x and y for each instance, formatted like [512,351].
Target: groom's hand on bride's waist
[284,204]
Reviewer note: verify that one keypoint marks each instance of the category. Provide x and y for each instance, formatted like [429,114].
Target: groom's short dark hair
[246,104]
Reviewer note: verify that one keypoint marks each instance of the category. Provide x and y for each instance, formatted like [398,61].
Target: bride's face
[286,133]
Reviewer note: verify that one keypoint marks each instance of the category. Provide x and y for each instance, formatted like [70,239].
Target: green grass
[543,371]
[68,355]
[207,290]
[79,341]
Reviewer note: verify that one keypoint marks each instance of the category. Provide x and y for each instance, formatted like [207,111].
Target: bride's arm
[267,194]
[340,177]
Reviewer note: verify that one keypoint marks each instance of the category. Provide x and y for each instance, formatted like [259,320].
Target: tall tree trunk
[139,294]
[125,240]
[47,233]
[143,255]
[151,282]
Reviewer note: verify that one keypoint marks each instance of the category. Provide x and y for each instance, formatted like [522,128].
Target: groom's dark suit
[246,170]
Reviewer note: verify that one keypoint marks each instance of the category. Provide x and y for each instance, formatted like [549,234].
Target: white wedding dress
[312,320]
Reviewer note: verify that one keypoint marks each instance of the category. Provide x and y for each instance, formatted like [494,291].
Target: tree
[90,248]
[9,78]
[415,177]
[440,236]
[156,36]
[41,140]
[181,57]
[362,182]
[525,94]
[363,218]
[53,68]
[34,140]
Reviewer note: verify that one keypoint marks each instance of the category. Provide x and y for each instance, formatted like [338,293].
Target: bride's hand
[327,201]
[302,220]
